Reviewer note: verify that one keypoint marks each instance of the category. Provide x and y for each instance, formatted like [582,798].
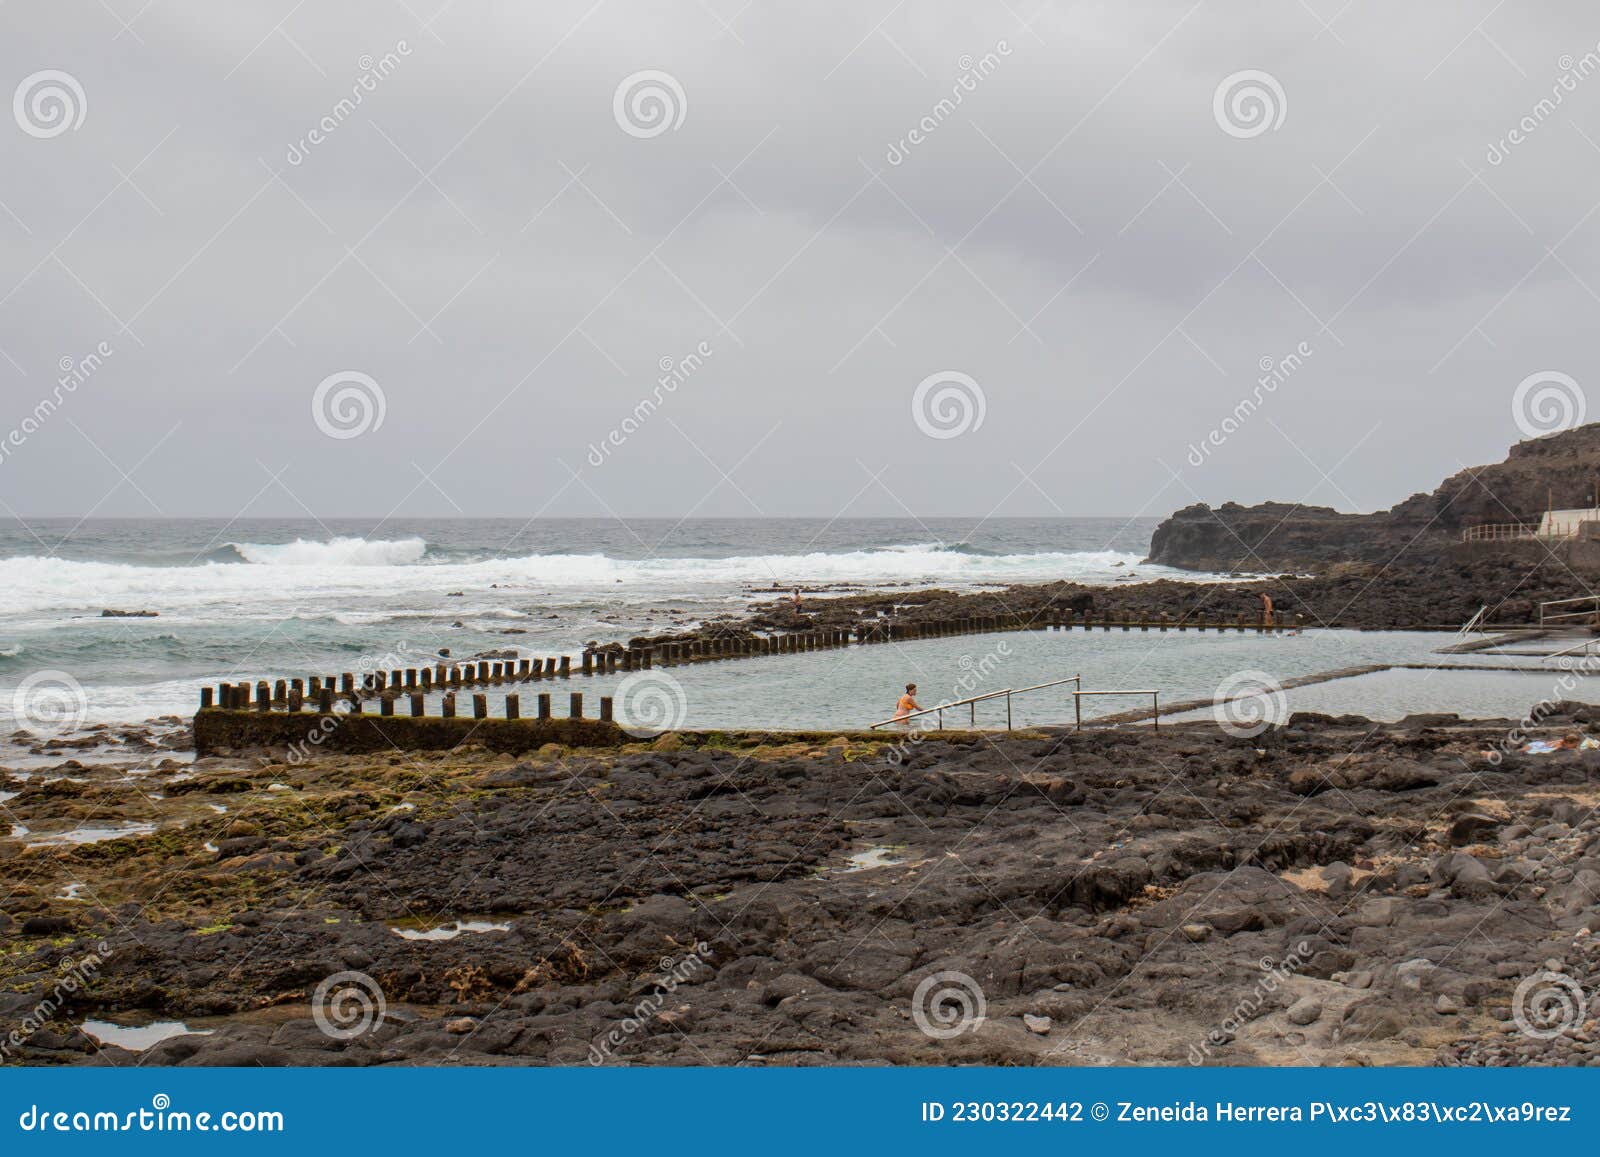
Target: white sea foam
[336,552]
[304,573]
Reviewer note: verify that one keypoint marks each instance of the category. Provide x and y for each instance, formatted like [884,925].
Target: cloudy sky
[1017,257]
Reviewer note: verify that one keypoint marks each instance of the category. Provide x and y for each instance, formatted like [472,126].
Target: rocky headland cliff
[1277,536]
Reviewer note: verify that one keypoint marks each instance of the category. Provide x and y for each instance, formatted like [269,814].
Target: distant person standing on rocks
[908,703]
[1266,608]
[795,599]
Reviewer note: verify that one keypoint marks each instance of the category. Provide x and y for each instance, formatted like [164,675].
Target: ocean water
[247,599]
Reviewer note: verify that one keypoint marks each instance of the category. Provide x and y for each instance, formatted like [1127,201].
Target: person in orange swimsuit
[908,703]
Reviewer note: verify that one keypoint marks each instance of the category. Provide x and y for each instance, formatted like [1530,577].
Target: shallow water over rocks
[137,1038]
[451,930]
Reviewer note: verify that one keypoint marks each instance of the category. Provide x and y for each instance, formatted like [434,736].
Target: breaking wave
[334,552]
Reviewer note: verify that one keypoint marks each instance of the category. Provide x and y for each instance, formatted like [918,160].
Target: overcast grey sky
[507,246]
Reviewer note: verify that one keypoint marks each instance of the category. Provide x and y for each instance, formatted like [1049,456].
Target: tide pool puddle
[449,931]
[71,892]
[137,1038]
[882,856]
[87,835]
[8,795]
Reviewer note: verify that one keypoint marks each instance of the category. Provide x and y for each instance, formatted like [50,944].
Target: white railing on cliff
[1502,532]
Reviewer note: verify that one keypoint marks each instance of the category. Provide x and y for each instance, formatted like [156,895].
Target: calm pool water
[856,686]
[1391,695]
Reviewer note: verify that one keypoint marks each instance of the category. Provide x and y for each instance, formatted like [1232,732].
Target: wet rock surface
[1328,892]
[1429,591]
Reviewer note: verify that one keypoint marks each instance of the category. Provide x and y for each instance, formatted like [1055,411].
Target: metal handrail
[1583,646]
[1155,704]
[941,708]
[1491,531]
[1546,616]
[1078,679]
[972,703]
[1077,703]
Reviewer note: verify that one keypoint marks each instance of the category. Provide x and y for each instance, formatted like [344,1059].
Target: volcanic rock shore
[1441,594]
[1331,891]
[1403,568]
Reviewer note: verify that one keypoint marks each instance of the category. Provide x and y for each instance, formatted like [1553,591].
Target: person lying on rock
[1571,741]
